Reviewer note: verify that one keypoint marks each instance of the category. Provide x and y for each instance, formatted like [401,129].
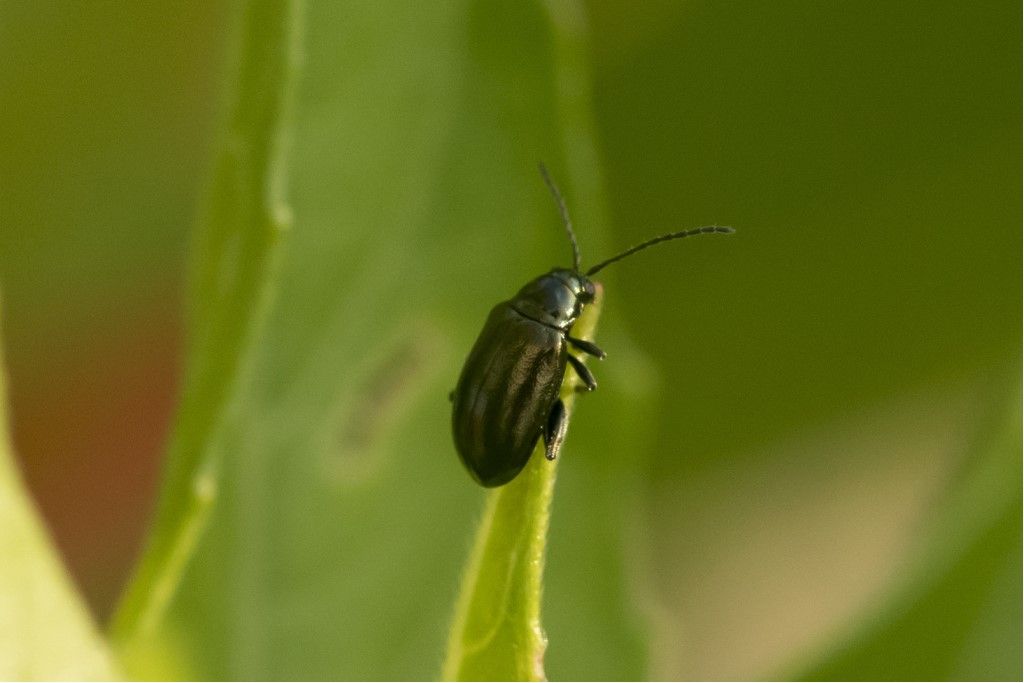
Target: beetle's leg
[587,347]
[582,371]
[554,430]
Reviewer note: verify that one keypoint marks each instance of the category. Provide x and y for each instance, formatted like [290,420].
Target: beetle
[507,394]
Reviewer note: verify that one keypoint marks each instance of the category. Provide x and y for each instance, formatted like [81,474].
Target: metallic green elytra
[507,394]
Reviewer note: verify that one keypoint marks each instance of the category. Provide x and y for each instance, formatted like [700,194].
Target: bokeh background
[804,459]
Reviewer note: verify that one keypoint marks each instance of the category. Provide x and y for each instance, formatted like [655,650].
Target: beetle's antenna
[706,230]
[562,209]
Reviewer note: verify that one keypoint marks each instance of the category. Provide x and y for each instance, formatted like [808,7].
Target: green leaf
[236,250]
[46,632]
[342,512]
[497,632]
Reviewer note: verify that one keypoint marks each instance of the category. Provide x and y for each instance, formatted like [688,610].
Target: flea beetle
[507,394]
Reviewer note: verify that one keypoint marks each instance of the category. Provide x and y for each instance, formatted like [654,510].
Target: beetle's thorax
[556,298]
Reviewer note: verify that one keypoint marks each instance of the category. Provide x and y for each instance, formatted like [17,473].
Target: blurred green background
[804,459]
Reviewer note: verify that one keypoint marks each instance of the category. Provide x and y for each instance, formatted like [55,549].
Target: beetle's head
[556,298]
[579,284]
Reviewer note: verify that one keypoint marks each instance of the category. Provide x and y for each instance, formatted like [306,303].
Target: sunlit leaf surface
[45,631]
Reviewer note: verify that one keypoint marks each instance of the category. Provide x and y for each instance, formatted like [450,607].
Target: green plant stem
[497,632]
[235,253]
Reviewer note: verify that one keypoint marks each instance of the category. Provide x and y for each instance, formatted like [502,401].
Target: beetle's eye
[588,292]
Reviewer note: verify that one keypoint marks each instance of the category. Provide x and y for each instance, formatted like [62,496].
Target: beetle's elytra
[507,394]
